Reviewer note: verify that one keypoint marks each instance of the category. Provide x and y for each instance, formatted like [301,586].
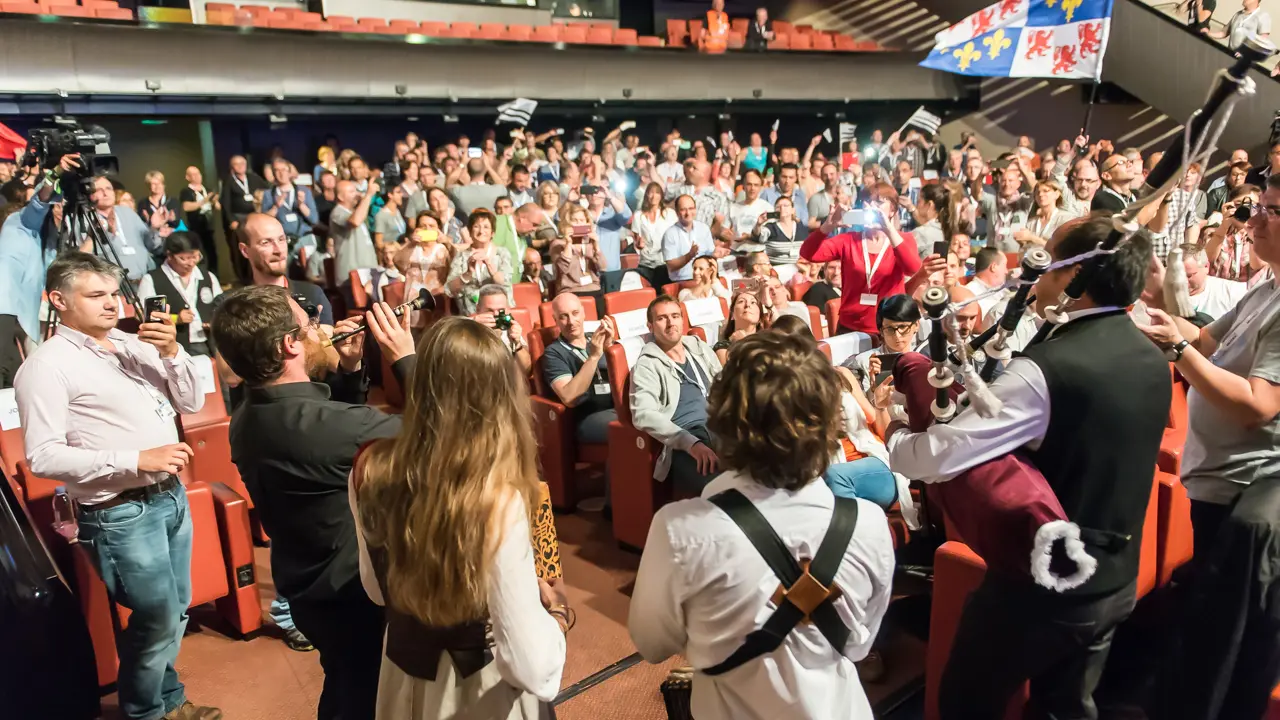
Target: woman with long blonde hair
[443,514]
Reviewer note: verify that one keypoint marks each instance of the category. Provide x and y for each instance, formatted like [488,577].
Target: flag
[924,120]
[847,133]
[517,111]
[1027,38]
[10,143]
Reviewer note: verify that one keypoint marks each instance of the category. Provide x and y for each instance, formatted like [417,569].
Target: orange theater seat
[528,296]
[574,34]
[632,458]
[782,27]
[520,33]
[491,31]
[370,23]
[1175,434]
[622,301]
[833,316]
[464,29]
[780,42]
[28,7]
[624,36]
[677,32]
[219,7]
[737,40]
[801,42]
[359,298]
[99,4]
[649,41]
[68,11]
[630,261]
[256,9]
[404,26]
[805,30]
[546,33]
[600,36]
[740,25]
[1174,545]
[845,43]
[824,41]
[434,28]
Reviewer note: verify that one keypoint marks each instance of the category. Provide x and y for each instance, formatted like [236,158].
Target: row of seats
[681,33]
[222,561]
[294,19]
[99,9]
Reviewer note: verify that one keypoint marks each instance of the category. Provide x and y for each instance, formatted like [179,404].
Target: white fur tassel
[1177,292]
[1042,553]
[983,401]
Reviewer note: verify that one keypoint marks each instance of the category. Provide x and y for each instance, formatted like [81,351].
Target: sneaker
[188,711]
[296,641]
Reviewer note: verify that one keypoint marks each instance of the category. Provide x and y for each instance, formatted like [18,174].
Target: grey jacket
[655,392]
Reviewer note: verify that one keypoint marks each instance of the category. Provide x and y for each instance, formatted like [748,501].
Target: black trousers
[10,358]
[684,469]
[1230,654]
[348,635]
[657,276]
[1010,633]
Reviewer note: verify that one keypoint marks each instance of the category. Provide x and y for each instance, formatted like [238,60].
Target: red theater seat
[677,32]
[404,26]
[546,33]
[740,25]
[574,34]
[359,298]
[780,42]
[600,36]
[528,296]
[372,22]
[649,41]
[824,41]
[256,10]
[1175,434]
[519,33]
[464,29]
[559,450]
[625,36]
[1174,546]
[846,43]
[632,457]
[434,28]
[491,31]
[21,7]
[782,27]
[801,42]
[616,302]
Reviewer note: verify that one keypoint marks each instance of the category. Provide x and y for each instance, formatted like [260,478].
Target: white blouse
[651,231]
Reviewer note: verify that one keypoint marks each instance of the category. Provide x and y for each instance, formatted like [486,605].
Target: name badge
[585,280]
[128,250]
[248,197]
[601,388]
[867,299]
[291,217]
[164,410]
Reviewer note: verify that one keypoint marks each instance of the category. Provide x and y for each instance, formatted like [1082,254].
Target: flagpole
[1088,111]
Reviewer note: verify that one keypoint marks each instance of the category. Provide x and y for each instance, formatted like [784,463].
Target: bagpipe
[1004,508]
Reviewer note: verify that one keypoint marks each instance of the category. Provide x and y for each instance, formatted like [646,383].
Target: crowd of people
[417,527]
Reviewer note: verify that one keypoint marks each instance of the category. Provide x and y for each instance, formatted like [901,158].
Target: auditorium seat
[67,10]
[1174,546]
[798,289]
[629,261]
[1013,259]
[625,36]
[491,31]
[464,29]
[405,27]
[833,317]
[574,34]
[805,30]
[780,42]
[600,36]
[27,7]
[740,25]
[844,43]
[519,33]
[801,42]
[782,27]
[546,33]
[677,32]
[708,315]
[256,10]
[369,23]
[824,41]
[695,32]
[616,302]
[1169,459]
[434,28]
[632,457]
[649,41]
[843,347]
[359,298]
[547,318]
[558,447]
[737,40]
[528,296]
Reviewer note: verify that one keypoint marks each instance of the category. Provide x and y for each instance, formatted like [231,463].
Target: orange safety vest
[716,37]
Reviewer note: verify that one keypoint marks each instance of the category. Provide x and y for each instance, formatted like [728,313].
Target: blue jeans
[868,478]
[142,550]
[281,615]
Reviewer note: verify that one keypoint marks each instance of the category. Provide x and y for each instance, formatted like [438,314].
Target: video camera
[48,145]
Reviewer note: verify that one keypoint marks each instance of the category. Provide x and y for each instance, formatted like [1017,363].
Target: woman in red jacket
[874,263]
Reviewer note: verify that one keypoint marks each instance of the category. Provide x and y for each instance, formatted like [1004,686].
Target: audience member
[1220,190]
[294,207]
[648,226]
[759,32]
[686,240]
[478,265]
[609,214]
[669,386]
[533,272]
[1249,21]
[746,317]
[775,412]
[787,185]
[237,198]
[1045,218]
[826,289]
[199,204]
[706,281]
[898,324]
[97,407]
[493,310]
[158,201]
[747,215]
[353,246]
[1210,295]
[133,241]
[990,271]
[472,631]
[187,289]
[1228,246]
[386,273]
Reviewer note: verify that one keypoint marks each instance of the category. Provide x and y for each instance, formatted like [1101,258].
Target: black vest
[177,301]
[1109,395]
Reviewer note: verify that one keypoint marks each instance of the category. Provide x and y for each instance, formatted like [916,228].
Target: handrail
[1221,44]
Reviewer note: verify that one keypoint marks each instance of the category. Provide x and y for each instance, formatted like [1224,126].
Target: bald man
[969,317]
[264,245]
[574,368]
[198,205]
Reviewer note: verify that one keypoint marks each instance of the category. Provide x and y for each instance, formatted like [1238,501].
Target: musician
[1093,383]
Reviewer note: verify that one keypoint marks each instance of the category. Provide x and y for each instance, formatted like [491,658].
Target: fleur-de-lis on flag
[966,55]
[997,42]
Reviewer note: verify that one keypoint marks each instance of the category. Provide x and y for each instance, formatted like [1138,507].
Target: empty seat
[846,43]
[491,31]
[256,9]
[624,36]
[801,42]
[406,26]
[464,29]
[782,27]
[434,28]
[113,13]
[20,6]
[677,32]
[740,25]
[574,34]
[519,33]
[823,41]
[600,36]
[805,30]
[371,22]
[528,296]
[601,24]
[546,33]
[780,42]
[68,10]
[737,40]
[219,7]
[649,41]
[99,4]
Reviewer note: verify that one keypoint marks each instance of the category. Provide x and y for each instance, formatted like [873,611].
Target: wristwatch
[1174,352]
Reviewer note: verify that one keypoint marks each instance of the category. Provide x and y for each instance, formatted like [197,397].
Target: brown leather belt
[144,493]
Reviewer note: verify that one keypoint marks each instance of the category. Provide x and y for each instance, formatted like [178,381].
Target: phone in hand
[775,215]
[854,219]
[581,231]
[474,152]
[941,247]
[887,361]
[154,304]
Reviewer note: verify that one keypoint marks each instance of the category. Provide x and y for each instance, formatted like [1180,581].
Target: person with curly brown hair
[712,564]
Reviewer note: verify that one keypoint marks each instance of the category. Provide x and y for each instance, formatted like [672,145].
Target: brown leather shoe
[188,711]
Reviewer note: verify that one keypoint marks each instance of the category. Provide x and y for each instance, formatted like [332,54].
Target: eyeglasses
[311,309]
[899,330]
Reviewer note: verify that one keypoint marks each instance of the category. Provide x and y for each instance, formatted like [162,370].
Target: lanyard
[242,183]
[1239,327]
[866,262]
[697,373]
[582,354]
[290,197]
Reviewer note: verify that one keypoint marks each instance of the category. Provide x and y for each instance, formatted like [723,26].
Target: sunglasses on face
[311,309]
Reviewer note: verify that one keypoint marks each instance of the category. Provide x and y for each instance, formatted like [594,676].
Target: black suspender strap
[783,564]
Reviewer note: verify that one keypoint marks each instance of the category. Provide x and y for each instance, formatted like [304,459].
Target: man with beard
[293,441]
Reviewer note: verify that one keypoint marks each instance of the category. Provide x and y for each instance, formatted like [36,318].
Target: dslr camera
[1244,210]
[47,146]
[503,320]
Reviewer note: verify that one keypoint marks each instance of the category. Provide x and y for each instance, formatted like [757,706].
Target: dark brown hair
[793,326]
[481,214]
[775,410]
[249,328]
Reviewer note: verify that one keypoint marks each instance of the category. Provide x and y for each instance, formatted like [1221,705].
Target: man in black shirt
[198,205]
[238,202]
[1117,174]
[575,369]
[294,441]
[826,289]
[759,32]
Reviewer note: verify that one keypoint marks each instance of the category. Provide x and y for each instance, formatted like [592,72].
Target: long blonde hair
[434,499]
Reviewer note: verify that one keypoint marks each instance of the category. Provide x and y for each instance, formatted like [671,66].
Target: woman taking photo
[1049,214]
[647,227]
[576,255]
[874,261]
[706,281]
[779,236]
[478,265]
[438,202]
[443,514]
[424,260]
[746,318]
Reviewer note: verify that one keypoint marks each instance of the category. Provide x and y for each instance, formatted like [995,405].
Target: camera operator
[294,207]
[25,253]
[97,408]
[1228,248]
[294,441]
[133,240]
[493,310]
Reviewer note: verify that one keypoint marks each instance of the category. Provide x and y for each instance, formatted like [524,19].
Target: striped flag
[517,111]
[923,120]
[848,133]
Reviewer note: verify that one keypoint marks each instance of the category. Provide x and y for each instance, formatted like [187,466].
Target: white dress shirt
[678,240]
[190,291]
[87,412]
[945,450]
[702,588]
